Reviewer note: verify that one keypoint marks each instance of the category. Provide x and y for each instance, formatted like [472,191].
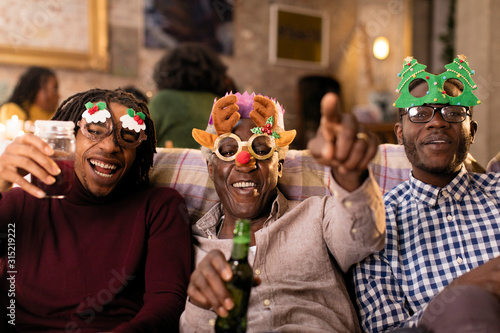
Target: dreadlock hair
[28,85]
[74,106]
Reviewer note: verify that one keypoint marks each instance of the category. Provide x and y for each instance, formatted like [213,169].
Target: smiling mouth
[244,185]
[103,169]
[436,142]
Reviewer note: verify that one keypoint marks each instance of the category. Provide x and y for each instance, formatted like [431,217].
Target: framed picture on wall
[298,36]
[68,34]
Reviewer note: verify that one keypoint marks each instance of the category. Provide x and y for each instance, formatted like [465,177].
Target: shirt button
[348,204]
[449,217]
[335,193]
[354,230]
[257,271]
[444,193]
[211,322]
[267,302]
[460,260]
[209,236]
[457,196]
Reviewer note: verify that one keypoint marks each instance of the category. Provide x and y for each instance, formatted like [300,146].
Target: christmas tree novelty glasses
[229,145]
[425,113]
[438,88]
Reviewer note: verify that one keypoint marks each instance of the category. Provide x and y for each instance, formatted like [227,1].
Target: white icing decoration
[98,116]
[130,123]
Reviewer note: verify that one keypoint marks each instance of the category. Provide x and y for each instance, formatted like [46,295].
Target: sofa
[185,170]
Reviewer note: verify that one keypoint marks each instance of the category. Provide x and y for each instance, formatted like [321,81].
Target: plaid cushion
[186,171]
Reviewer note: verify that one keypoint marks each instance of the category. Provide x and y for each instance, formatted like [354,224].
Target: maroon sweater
[120,263]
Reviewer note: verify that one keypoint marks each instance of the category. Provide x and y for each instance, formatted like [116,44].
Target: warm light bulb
[381,48]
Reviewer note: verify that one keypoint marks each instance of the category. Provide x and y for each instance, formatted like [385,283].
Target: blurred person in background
[35,96]
[188,78]
[137,93]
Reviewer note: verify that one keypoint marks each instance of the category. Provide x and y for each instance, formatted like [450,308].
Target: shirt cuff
[196,319]
[367,189]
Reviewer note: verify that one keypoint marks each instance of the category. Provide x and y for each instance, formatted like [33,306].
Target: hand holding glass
[60,136]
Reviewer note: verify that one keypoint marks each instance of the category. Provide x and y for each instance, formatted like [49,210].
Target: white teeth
[104,174]
[244,184]
[103,165]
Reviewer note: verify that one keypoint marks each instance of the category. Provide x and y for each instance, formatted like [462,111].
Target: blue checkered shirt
[433,236]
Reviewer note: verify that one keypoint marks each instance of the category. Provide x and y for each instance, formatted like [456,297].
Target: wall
[353,26]
[477,36]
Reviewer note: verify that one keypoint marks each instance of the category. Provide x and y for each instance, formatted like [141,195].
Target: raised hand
[27,154]
[340,144]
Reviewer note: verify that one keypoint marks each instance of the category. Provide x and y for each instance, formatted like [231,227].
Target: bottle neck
[240,247]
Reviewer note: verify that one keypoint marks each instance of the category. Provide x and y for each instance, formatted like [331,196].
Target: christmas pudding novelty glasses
[97,124]
[456,110]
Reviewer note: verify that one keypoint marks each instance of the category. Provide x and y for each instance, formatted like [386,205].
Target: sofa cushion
[186,171]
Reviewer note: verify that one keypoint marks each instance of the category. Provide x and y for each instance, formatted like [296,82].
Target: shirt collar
[207,224]
[432,195]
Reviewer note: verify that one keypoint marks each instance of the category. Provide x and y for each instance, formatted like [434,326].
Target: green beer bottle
[240,285]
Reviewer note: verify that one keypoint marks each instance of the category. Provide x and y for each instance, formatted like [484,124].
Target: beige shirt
[301,289]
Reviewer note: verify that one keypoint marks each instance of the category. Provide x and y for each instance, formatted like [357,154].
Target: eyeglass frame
[434,109]
[241,144]
[113,129]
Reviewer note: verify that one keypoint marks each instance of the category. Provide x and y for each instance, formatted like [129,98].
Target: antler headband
[226,112]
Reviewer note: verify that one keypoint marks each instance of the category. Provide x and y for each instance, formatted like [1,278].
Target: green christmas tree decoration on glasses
[457,70]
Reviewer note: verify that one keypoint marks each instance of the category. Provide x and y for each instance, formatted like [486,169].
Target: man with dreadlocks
[298,248]
[113,255]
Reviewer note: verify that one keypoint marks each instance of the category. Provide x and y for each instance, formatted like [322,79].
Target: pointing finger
[330,108]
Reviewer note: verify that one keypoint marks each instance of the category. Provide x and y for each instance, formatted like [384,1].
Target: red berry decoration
[93,110]
[268,125]
[263,129]
[243,157]
[427,77]
[136,118]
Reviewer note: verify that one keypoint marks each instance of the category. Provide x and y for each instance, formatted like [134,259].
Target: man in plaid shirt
[441,223]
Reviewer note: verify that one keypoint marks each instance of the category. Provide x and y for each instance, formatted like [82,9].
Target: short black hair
[74,106]
[192,66]
[137,93]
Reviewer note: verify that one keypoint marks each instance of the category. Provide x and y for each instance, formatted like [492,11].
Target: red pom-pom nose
[243,157]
